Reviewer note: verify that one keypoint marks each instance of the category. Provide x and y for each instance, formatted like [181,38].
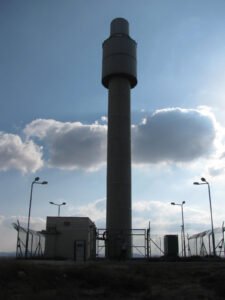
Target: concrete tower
[119,75]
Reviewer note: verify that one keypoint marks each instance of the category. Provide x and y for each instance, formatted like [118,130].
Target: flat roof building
[70,238]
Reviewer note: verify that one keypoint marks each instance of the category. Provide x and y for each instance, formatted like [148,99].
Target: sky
[53,111]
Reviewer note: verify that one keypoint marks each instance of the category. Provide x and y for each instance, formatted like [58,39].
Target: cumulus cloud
[71,145]
[16,154]
[167,135]
[173,135]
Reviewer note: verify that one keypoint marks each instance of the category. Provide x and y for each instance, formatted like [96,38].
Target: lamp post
[59,205]
[183,232]
[204,181]
[36,180]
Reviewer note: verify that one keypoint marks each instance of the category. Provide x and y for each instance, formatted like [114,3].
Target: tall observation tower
[119,75]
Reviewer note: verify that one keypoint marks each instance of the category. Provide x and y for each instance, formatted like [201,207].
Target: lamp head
[64,203]
[172,203]
[183,202]
[44,182]
[36,178]
[196,183]
[51,202]
[203,179]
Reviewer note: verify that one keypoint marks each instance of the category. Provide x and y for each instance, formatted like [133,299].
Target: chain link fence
[201,244]
[144,245]
[36,243]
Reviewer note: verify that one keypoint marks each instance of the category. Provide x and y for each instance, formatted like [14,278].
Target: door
[79,250]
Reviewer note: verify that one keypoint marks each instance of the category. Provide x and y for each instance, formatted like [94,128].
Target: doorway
[79,250]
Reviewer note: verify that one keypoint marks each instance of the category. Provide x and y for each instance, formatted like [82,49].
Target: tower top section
[119,54]
[119,25]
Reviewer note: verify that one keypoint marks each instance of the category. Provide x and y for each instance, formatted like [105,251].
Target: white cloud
[71,145]
[215,165]
[171,135]
[96,211]
[16,154]
[168,135]
[174,135]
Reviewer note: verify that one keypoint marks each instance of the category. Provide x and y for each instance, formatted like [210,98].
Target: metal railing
[143,245]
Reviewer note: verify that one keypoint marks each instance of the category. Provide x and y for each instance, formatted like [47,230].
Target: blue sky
[53,111]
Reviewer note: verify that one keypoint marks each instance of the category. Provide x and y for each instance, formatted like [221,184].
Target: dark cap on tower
[119,54]
[119,25]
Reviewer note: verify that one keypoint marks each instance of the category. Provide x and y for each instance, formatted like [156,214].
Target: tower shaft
[119,168]
[119,76]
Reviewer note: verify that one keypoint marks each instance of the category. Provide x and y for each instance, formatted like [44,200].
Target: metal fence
[36,242]
[200,244]
[143,245]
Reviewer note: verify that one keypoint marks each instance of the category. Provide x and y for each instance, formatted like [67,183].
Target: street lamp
[204,181]
[59,205]
[36,180]
[182,227]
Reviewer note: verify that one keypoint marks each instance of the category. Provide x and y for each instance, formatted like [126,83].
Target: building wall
[62,232]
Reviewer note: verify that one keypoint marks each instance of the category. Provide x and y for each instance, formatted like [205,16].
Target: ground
[35,279]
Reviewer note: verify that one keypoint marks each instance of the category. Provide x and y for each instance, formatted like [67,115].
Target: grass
[200,279]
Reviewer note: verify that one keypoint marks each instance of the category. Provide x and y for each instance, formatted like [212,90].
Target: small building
[70,238]
[171,245]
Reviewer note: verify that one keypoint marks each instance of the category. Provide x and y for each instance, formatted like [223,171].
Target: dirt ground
[20,279]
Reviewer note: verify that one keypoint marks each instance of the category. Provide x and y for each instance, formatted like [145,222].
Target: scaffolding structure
[200,244]
[36,242]
[143,245]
